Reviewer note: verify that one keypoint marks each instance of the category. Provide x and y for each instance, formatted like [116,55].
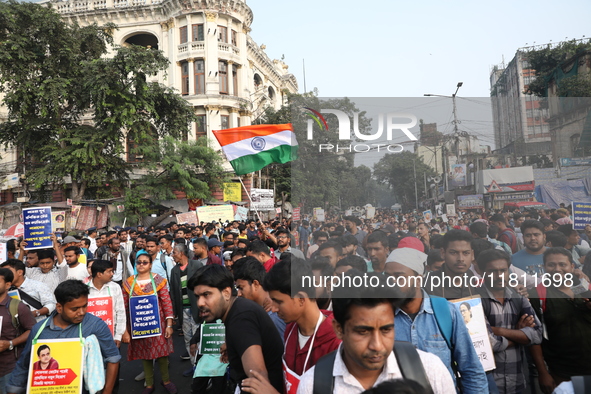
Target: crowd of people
[285,335]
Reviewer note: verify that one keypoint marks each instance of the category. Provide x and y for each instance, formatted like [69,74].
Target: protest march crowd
[502,305]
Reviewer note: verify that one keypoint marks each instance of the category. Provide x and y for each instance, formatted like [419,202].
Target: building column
[191,76]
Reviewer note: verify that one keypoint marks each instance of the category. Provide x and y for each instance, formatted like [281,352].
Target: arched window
[258,82]
[143,39]
[271,93]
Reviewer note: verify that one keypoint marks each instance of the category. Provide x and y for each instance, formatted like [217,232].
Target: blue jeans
[3,382]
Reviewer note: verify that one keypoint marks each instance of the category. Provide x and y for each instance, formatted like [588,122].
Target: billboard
[502,180]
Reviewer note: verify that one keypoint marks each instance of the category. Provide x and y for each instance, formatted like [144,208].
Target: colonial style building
[214,63]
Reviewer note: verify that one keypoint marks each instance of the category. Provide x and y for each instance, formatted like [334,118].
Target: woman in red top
[157,347]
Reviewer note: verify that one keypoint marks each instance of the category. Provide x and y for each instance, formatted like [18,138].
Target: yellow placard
[232,191]
[58,220]
[215,213]
[56,367]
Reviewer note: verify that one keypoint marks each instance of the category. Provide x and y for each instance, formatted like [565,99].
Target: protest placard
[318,214]
[450,209]
[3,255]
[102,307]
[581,215]
[217,213]
[295,216]
[75,211]
[262,199]
[212,337]
[58,221]
[37,223]
[370,212]
[144,316]
[187,218]
[473,315]
[56,367]
[241,213]
[427,215]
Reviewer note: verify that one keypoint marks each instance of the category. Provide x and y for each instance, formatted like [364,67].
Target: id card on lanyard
[292,379]
[102,307]
[144,314]
[56,364]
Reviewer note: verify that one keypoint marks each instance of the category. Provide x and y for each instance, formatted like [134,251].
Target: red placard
[102,307]
[295,216]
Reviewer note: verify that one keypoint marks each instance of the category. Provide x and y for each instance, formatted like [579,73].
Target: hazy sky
[397,48]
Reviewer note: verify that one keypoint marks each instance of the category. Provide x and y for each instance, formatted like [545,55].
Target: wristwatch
[10,346]
[37,314]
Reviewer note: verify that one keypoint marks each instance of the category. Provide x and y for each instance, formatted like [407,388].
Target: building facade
[520,125]
[214,63]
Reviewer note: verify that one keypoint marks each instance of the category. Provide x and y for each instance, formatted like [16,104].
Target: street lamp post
[414,166]
[455,121]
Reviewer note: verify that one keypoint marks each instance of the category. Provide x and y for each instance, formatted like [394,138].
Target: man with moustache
[253,344]
[531,258]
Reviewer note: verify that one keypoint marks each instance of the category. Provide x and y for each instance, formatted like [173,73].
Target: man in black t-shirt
[252,341]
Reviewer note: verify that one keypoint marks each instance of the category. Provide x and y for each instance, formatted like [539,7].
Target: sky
[386,48]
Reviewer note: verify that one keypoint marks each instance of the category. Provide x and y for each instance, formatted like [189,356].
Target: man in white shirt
[75,270]
[364,321]
[102,286]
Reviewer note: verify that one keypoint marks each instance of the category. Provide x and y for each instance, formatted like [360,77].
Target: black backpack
[407,357]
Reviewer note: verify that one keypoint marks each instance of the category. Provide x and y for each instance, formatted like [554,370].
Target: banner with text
[262,199]
[216,213]
[37,223]
[187,218]
[232,191]
[144,316]
[102,307]
[581,215]
[212,337]
[56,367]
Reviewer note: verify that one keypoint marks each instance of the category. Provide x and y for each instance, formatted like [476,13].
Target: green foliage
[71,107]
[192,167]
[397,170]
[575,86]
[545,60]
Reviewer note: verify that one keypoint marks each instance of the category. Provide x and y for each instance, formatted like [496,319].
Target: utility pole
[414,166]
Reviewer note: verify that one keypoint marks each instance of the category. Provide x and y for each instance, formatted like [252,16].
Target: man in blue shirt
[530,259]
[65,322]
[415,322]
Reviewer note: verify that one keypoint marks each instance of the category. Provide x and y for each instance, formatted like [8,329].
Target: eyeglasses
[282,237]
[142,263]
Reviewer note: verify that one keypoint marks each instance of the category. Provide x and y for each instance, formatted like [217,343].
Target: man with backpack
[563,304]
[17,322]
[364,321]
[433,325]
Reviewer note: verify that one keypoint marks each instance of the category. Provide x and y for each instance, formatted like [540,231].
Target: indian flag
[250,148]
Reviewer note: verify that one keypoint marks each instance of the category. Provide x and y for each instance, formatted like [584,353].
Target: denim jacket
[424,333]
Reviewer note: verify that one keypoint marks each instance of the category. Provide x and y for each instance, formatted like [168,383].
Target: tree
[71,107]
[545,60]
[398,171]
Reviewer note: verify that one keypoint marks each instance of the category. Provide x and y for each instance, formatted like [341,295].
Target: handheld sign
[37,223]
[102,307]
[581,215]
[144,316]
[56,367]
[473,315]
[212,337]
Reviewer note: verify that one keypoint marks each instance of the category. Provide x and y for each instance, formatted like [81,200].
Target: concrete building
[520,125]
[214,63]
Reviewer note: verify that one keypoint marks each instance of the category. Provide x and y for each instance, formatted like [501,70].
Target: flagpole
[250,199]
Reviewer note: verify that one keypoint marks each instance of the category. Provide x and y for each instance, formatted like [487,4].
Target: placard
[262,199]
[102,307]
[144,316]
[187,218]
[473,315]
[241,213]
[232,191]
[370,212]
[581,215]
[450,209]
[474,201]
[62,360]
[213,335]
[58,221]
[215,213]
[74,212]
[319,214]
[427,215]
[295,215]
[37,223]
[3,255]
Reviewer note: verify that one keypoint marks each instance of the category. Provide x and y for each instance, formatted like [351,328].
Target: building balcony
[81,6]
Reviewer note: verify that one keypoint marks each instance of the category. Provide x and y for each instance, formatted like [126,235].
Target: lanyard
[135,279]
[43,327]
[108,288]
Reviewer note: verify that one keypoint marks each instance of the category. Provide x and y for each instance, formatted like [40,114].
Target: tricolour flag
[250,148]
